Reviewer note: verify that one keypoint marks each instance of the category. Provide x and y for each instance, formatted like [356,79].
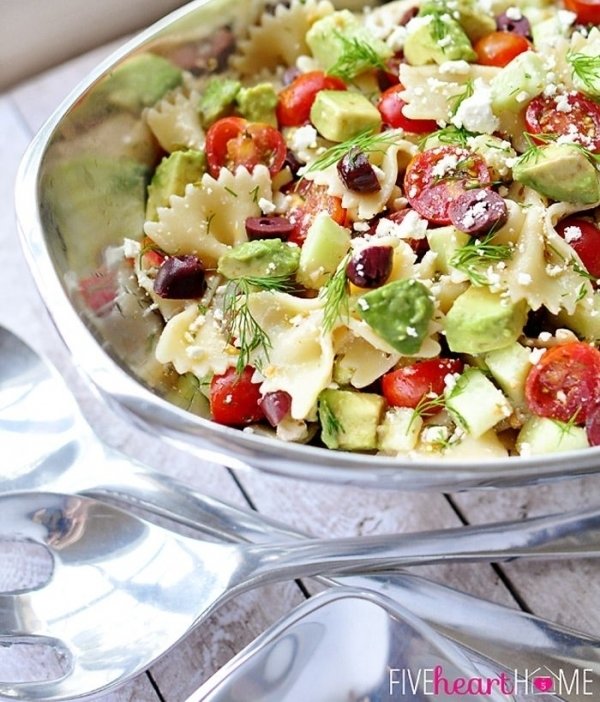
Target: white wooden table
[567,592]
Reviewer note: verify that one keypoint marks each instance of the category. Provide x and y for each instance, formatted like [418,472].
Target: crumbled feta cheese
[514,13]
[475,112]
[535,356]
[523,96]
[303,138]
[361,226]
[411,227]
[266,206]
[435,434]
[566,18]
[544,336]
[562,103]
[457,67]
[572,234]
[411,331]
[561,396]
[131,248]
[524,279]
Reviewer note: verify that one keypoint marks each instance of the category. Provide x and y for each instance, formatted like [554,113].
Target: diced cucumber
[475,403]
[522,79]
[399,431]
[445,242]
[349,420]
[585,321]
[325,246]
[510,367]
[542,435]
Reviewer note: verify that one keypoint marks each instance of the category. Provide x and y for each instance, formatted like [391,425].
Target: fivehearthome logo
[433,682]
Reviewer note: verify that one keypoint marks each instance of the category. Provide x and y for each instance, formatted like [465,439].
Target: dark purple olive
[477,212]
[290,74]
[410,14]
[180,278]
[370,267]
[519,26]
[276,406]
[592,426]
[357,173]
[268,227]
[292,162]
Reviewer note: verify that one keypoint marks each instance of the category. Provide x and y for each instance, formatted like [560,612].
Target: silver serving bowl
[69,217]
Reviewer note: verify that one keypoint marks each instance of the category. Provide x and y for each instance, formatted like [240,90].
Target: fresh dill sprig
[240,325]
[366,141]
[581,293]
[448,135]
[357,57]
[458,100]
[587,69]
[565,427]
[478,253]
[439,28]
[335,294]
[330,422]
[425,405]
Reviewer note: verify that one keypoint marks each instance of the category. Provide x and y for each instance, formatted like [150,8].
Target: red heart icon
[543,683]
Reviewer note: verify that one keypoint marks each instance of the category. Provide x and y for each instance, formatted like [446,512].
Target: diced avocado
[519,81]
[171,176]
[585,321]
[445,242]
[189,393]
[261,258]
[349,420]
[334,38]
[399,431]
[437,38]
[542,435]
[218,99]
[257,104]
[475,403]
[561,172]
[139,82]
[481,321]
[325,246]
[475,21]
[339,115]
[399,312]
[510,367]
[92,198]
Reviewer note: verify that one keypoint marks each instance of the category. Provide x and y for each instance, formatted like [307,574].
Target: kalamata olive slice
[592,426]
[180,278]
[514,21]
[371,266]
[292,162]
[478,211]
[276,406]
[268,227]
[410,14]
[357,173]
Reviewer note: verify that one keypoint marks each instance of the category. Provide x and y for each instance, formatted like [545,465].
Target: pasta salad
[379,231]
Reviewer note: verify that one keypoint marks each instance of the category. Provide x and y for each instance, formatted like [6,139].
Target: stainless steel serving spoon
[122,591]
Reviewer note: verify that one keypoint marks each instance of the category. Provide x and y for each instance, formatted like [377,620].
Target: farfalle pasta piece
[279,38]
[211,216]
[300,354]
[175,123]
[364,363]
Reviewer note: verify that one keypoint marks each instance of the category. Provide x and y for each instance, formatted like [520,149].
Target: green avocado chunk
[218,99]
[480,321]
[436,38]
[339,115]
[349,420]
[562,172]
[475,21]
[261,258]
[258,103]
[171,176]
[399,312]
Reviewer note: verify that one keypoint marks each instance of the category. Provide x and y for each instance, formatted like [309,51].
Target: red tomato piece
[408,386]
[500,48]
[391,106]
[437,176]
[587,11]
[584,238]
[310,199]
[99,291]
[233,142]
[578,118]
[296,99]
[565,383]
[234,398]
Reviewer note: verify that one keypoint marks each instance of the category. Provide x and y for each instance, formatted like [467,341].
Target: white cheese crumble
[475,112]
[535,355]
[266,206]
[514,13]
[131,248]
[524,279]
[572,234]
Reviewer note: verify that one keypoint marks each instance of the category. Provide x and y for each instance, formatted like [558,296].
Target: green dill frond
[581,293]
[425,406]
[565,427]
[457,136]
[335,294]
[478,254]
[356,58]
[587,69]
[366,141]
[329,420]
[457,100]
[240,325]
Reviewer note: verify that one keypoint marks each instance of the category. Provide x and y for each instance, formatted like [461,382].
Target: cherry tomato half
[584,238]
[566,115]
[308,200]
[408,386]
[296,99]
[500,48]
[565,383]
[437,176]
[233,142]
[390,106]
[234,398]
[587,11]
